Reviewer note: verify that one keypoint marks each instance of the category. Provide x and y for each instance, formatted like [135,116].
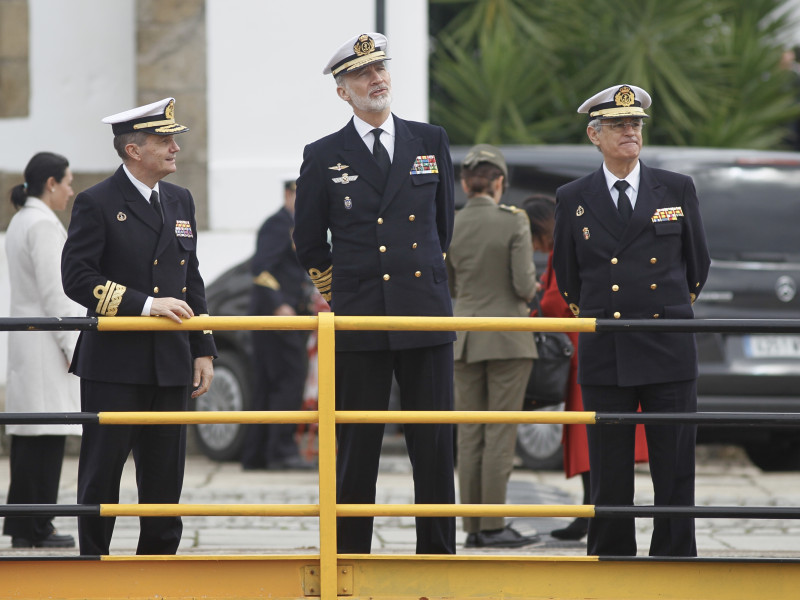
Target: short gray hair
[135,137]
[596,124]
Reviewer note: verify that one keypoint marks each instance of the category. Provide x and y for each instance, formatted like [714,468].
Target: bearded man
[383,187]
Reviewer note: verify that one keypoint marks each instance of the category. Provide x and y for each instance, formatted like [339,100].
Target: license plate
[772,346]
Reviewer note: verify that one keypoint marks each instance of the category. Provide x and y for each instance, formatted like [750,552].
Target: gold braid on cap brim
[109,296]
[322,281]
[619,111]
[360,61]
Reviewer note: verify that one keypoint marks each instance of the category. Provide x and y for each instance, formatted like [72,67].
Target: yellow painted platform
[399,578]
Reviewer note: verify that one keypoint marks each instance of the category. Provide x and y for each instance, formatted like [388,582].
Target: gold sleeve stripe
[317,275]
[109,298]
[324,279]
[267,280]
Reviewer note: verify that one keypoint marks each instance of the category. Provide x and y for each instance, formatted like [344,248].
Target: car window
[749,211]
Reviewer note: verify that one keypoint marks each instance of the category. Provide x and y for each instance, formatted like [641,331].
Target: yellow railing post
[326,439]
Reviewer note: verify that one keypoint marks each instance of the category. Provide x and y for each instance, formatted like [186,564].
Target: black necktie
[623,202]
[380,153]
[156,204]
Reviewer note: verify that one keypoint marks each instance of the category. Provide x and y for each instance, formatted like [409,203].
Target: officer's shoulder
[574,185]
[332,139]
[514,211]
[166,186]
[668,177]
[418,128]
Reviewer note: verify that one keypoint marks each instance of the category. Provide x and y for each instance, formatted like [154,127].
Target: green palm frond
[514,71]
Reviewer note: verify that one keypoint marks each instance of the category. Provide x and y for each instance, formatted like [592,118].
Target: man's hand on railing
[172,308]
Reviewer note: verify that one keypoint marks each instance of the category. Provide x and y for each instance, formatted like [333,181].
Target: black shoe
[291,463]
[508,537]
[472,540]
[574,531]
[54,540]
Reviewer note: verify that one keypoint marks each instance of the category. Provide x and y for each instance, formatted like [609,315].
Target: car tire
[539,444]
[779,453]
[230,390]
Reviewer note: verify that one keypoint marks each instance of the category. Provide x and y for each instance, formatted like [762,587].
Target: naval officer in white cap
[383,186]
[630,244]
[131,250]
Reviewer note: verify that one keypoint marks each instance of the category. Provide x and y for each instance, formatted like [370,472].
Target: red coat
[576,450]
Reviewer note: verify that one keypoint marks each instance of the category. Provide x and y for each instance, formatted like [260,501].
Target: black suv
[749,200]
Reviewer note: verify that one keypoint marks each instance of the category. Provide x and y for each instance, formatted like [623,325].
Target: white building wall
[268,97]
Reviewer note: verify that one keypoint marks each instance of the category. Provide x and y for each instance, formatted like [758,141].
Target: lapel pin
[586,233]
[579,212]
[121,216]
[345,178]
[348,204]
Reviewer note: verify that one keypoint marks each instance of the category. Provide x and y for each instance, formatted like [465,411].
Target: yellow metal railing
[331,571]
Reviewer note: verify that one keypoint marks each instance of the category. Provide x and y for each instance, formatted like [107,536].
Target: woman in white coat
[38,380]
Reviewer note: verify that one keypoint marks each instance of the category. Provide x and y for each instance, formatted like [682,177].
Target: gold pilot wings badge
[345,178]
[424,164]
[667,214]
[338,167]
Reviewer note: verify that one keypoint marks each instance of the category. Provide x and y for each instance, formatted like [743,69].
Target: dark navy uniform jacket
[117,254]
[388,244]
[278,276]
[652,269]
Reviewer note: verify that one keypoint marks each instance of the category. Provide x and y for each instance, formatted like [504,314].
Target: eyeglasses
[620,126]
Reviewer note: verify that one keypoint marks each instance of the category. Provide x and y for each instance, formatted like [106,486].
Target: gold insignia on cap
[364,45]
[169,112]
[625,96]
[121,216]
[579,212]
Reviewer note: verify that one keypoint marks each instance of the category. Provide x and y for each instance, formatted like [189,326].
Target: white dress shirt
[364,129]
[145,191]
[633,184]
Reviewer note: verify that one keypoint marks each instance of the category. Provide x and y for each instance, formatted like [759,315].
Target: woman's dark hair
[541,210]
[40,168]
[479,178]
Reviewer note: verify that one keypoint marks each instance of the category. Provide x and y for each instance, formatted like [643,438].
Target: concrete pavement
[725,478]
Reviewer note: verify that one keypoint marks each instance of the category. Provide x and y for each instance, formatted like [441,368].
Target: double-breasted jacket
[652,268]
[387,244]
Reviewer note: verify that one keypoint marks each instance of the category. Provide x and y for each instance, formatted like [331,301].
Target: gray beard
[372,104]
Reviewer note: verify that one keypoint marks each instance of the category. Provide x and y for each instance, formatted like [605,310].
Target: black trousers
[159,452]
[363,382]
[281,362]
[672,467]
[35,465]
